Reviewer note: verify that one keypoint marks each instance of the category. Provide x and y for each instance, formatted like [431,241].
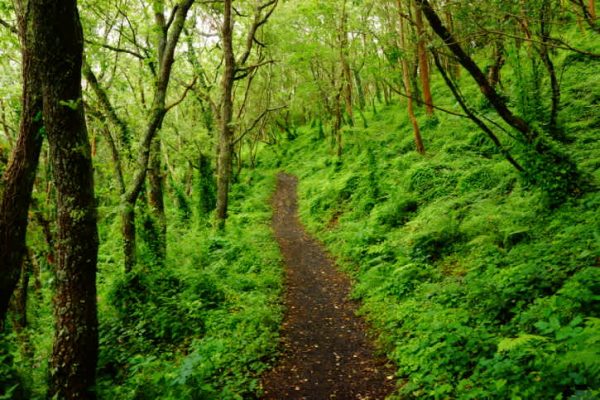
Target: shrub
[432,246]
[396,212]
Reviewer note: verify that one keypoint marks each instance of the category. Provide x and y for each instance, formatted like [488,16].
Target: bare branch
[257,120]
[554,43]
[245,71]
[183,95]
[259,20]
[117,49]
[445,110]
[171,17]
[9,26]
[471,115]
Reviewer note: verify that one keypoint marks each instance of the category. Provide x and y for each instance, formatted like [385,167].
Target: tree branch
[117,49]
[467,62]
[256,121]
[454,89]
[183,95]
[9,26]
[259,20]
[248,70]
[421,102]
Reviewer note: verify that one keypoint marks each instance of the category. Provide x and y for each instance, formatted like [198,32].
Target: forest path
[326,352]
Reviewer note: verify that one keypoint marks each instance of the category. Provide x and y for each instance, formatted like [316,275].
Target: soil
[326,353]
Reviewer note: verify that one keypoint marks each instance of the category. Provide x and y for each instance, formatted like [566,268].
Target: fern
[510,344]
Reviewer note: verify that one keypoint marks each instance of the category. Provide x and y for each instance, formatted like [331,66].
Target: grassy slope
[477,289]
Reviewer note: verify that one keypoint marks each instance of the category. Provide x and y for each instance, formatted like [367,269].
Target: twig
[117,49]
[257,120]
[183,95]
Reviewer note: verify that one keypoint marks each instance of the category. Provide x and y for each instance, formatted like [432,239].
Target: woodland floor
[326,353]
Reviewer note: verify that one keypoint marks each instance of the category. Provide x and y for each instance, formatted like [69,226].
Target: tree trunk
[360,90]
[20,174]
[387,95]
[346,74]
[545,26]
[19,299]
[414,75]
[128,232]
[59,45]
[499,60]
[467,62]
[226,131]
[337,126]
[423,64]
[407,89]
[156,198]
[378,91]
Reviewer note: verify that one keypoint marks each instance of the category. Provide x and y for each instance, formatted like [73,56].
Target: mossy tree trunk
[156,199]
[59,46]
[233,69]
[20,174]
[226,130]
[345,63]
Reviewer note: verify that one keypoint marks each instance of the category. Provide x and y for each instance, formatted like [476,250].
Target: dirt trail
[326,353]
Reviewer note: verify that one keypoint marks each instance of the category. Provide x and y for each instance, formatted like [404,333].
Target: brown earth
[326,353]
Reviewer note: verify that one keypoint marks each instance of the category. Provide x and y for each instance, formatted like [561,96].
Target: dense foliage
[478,289]
[448,155]
[202,326]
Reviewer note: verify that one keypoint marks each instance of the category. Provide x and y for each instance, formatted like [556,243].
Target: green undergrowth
[204,325]
[477,288]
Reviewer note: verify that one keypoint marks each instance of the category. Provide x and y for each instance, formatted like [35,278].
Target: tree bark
[129,237]
[423,64]
[360,90]
[545,24]
[407,89]
[496,67]
[20,174]
[156,198]
[346,73]
[59,45]
[337,125]
[226,131]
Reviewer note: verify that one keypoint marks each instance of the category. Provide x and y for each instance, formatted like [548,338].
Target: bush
[11,386]
[431,246]
[396,212]
[481,179]
[431,182]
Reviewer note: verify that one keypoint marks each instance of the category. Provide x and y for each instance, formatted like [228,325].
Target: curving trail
[325,351]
